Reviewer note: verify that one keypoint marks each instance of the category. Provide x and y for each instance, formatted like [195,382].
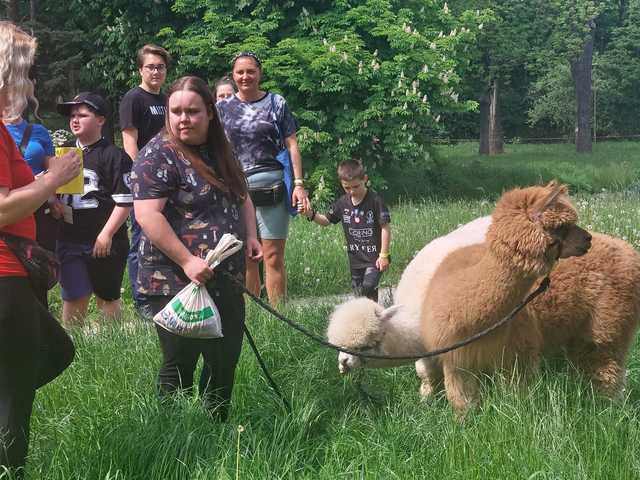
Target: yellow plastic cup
[76,185]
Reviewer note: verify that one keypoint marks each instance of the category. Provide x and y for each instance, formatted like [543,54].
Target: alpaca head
[358,325]
[533,227]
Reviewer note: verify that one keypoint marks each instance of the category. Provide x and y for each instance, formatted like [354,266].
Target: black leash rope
[544,285]
[272,383]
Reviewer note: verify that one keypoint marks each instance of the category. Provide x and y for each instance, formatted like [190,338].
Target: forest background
[381,80]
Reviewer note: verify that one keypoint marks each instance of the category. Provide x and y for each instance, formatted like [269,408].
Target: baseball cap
[91,99]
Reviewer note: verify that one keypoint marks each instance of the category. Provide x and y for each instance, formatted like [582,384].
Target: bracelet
[313,215]
[384,255]
[298,182]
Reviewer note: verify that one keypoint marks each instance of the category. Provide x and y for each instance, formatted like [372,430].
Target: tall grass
[101,419]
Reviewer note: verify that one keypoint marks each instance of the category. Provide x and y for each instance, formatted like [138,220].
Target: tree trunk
[12,10]
[491,136]
[33,9]
[581,69]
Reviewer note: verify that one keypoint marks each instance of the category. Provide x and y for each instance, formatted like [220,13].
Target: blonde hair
[17,52]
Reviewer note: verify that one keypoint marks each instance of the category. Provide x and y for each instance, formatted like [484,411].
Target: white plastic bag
[192,312]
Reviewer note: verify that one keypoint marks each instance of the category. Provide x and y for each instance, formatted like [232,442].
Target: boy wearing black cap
[93,243]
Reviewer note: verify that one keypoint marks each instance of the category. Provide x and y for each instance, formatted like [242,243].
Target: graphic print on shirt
[362,226]
[157,110]
[77,200]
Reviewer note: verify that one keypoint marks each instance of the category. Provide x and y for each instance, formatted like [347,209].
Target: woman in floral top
[189,190]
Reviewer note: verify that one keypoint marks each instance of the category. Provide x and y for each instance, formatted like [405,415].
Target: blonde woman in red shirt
[34,349]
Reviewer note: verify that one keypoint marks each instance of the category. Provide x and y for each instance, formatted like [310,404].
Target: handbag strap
[26,136]
[275,120]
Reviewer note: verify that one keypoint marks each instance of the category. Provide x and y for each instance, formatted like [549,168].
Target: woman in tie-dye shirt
[257,122]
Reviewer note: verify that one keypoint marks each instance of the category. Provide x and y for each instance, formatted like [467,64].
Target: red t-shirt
[14,173]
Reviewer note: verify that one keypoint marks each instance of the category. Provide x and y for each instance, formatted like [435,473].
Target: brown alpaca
[477,285]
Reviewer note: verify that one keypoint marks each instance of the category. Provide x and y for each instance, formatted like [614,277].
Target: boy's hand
[309,213]
[102,247]
[382,264]
[57,209]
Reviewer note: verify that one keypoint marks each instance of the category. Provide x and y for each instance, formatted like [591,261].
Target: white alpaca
[362,324]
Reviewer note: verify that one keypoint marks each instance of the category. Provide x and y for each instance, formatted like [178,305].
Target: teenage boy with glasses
[142,112]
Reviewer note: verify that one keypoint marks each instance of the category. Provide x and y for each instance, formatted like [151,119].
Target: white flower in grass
[480,26]
[307,270]
[445,9]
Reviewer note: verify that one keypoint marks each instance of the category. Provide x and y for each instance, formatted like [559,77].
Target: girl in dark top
[255,121]
[188,191]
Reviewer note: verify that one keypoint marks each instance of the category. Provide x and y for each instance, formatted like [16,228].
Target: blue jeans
[132,261]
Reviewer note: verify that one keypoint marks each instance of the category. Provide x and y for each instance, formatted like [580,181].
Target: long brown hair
[229,177]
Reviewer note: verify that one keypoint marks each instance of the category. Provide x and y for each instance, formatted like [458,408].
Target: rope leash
[272,383]
[544,285]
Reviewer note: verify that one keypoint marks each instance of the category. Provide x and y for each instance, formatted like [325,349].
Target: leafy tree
[618,72]
[571,39]
[366,78]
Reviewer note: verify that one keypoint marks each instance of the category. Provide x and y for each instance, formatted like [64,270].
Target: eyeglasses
[153,68]
[247,54]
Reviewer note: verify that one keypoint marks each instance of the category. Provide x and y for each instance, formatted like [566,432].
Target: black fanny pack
[41,265]
[267,196]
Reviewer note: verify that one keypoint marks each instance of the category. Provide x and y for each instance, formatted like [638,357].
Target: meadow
[101,419]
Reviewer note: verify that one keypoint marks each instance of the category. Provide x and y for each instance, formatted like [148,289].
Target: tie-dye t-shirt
[198,213]
[251,128]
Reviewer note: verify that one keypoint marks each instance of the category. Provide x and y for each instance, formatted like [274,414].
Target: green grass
[101,419]
[462,173]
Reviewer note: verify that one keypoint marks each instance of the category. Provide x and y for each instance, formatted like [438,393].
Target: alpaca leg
[431,376]
[462,389]
[606,372]
[609,378]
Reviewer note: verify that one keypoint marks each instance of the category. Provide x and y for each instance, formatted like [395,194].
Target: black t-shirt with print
[143,111]
[251,128]
[197,212]
[361,224]
[107,171]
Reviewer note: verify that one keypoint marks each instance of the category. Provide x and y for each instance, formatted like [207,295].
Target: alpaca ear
[545,203]
[387,313]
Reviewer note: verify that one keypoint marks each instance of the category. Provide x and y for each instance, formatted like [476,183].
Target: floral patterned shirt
[197,211]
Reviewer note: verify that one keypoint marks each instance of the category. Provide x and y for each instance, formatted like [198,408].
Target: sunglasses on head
[247,54]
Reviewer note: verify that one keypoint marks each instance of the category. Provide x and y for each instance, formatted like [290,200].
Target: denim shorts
[273,221]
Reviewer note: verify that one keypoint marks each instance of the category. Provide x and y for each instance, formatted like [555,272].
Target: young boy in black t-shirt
[366,223]
[93,244]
